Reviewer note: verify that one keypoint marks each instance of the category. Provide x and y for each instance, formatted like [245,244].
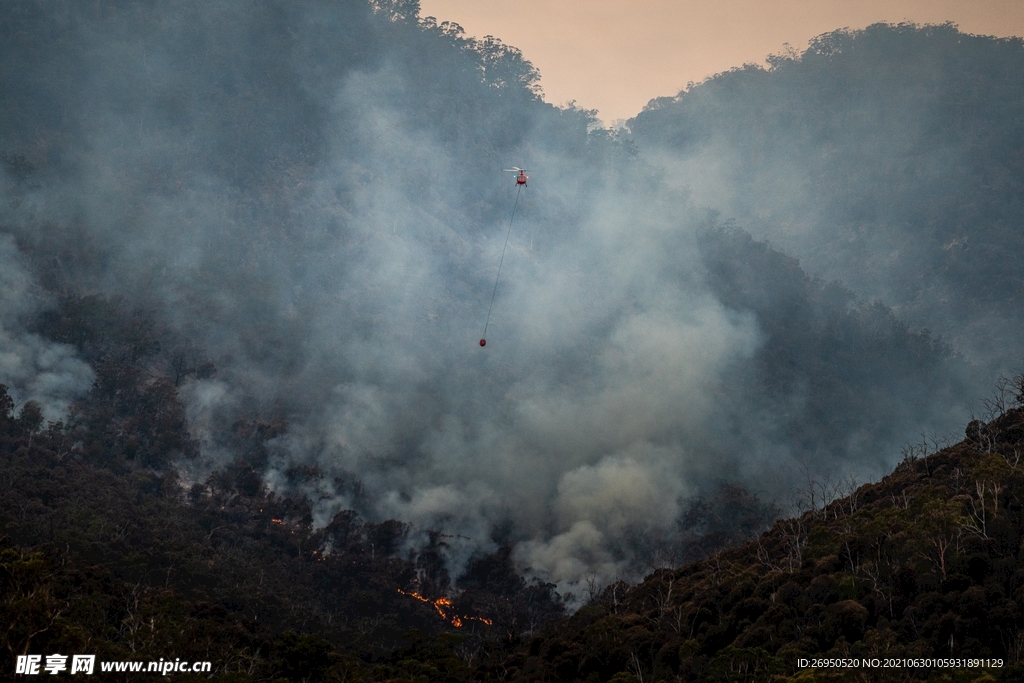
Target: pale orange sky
[616,55]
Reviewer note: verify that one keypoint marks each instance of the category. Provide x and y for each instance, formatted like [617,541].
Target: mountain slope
[890,158]
[923,564]
[302,240]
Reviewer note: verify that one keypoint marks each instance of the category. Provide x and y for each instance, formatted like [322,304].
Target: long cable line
[483,339]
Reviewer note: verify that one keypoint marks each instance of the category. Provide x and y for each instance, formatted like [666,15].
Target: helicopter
[522,177]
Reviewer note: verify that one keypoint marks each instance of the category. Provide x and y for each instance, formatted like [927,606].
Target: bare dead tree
[594,588]
[635,667]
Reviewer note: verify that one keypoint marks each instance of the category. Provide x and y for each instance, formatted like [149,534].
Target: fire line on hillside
[444,603]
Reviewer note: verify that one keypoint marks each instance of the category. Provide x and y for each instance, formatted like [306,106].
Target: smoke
[880,157]
[601,367]
[324,218]
[33,368]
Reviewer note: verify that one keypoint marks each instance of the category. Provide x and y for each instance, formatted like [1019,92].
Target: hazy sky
[616,55]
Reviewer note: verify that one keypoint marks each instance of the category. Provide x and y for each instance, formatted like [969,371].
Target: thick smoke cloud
[544,426]
[323,215]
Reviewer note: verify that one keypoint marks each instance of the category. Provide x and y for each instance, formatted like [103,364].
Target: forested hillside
[125,564]
[247,253]
[313,229]
[891,158]
[923,565]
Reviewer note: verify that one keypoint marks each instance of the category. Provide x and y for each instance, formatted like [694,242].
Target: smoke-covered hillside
[891,158]
[303,207]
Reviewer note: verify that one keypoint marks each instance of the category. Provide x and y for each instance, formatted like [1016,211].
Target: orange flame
[440,604]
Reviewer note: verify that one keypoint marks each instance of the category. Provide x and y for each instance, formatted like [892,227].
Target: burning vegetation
[446,609]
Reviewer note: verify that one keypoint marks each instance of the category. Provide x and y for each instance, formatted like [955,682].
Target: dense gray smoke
[888,158]
[33,368]
[312,194]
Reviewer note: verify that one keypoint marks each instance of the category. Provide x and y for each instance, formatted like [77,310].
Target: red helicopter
[522,177]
